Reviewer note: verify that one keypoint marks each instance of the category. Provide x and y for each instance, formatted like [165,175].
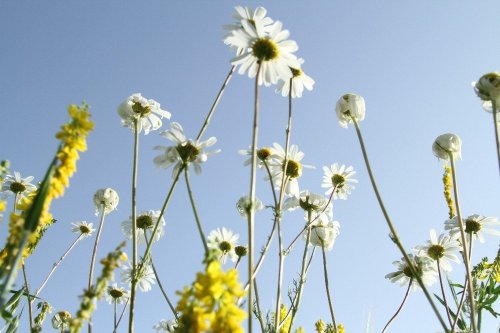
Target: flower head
[147,113]
[403,275]
[323,233]
[115,294]
[244,205]
[15,184]
[145,222]
[107,199]
[443,249]
[350,105]
[83,228]
[185,151]
[488,87]
[475,225]
[447,144]
[223,241]
[264,46]
[263,155]
[145,276]
[338,179]
[166,326]
[61,320]
[298,82]
[311,203]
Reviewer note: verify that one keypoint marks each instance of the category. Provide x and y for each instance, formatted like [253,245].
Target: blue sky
[412,61]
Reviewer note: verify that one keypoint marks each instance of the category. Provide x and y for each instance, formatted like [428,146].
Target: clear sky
[412,61]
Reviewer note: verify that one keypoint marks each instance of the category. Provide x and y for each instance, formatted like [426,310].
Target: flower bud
[488,87]
[107,198]
[350,105]
[446,144]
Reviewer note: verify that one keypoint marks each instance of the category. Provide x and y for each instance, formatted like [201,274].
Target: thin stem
[251,210]
[466,257]
[121,315]
[327,286]
[495,123]
[460,305]
[400,307]
[215,103]
[271,182]
[134,229]
[257,304]
[443,293]
[114,315]
[392,229]
[30,308]
[56,264]
[280,274]
[16,195]
[92,259]
[195,212]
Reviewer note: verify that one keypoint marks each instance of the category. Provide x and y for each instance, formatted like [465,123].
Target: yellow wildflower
[340,328]
[448,187]
[320,326]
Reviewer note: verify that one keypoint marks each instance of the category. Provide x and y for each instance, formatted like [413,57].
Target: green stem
[443,293]
[257,304]
[466,257]
[195,212]
[28,297]
[495,123]
[327,286]
[134,229]
[392,229]
[400,307]
[121,315]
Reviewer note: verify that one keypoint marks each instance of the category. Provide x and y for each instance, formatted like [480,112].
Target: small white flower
[299,81]
[106,198]
[293,168]
[263,155]
[146,221]
[115,294]
[443,248]
[446,144]
[323,233]
[166,326]
[147,113]
[223,241]
[61,320]
[146,277]
[15,184]
[475,224]
[424,268]
[185,151]
[244,204]
[83,228]
[339,179]
[488,87]
[350,105]
[313,203]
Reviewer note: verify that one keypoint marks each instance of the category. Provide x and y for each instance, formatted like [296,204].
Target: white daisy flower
[314,203]
[145,279]
[185,151]
[299,81]
[293,168]
[115,294]
[425,269]
[475,224]
[263,155]
[145,222]
[15,184]
[244,203]
[446,144]
[323,233]
[147,112]
[83,228]
[224,241]
[107,198]
[443,248]
[338,178]
[166,326]
[267,46]
[350,105]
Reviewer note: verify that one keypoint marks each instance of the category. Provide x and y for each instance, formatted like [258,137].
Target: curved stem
[400,307]
[392,229]
[195,212]
[443,293]
[134,229]
[495,123]
[466,256]
[327,286]
[92,259]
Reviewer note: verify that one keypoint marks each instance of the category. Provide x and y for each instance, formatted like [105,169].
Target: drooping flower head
[61,320]
[107,199]
[145,222]
[475,225]
[166,326]
[264,45]
[488,87]
[15,184]
[83,228]
[403,275]
[223,241]
[311,203]
[244,205]
[263,156]
[115,294]
[350,105]
[147,113]
[298,82]
[323,233]
[446,144]
[185,152]
[443,249]
[338,179]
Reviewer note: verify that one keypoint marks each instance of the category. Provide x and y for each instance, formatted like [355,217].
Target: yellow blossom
[448,187]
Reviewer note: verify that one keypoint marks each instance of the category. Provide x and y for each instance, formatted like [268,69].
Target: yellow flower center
[225,246]
[188,152]
[84,229]
[265,49]
[308,206]
[296,72]
[338,180]
[142,111]
[263,154]
[241,251]
[293,169]
[407,271]
[435,251]
[116,293]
